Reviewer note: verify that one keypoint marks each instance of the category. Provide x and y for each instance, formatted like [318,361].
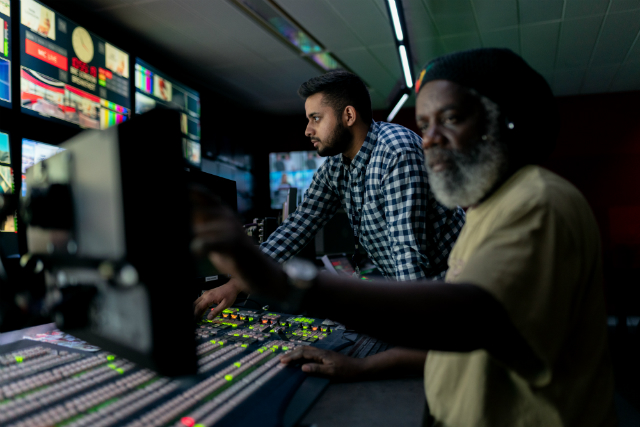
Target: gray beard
[470,175]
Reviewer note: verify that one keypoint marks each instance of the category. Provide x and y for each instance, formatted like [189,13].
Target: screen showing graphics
[34,152]
[287,170]
[154,89]
[5,53]
[68,73]
[6,181]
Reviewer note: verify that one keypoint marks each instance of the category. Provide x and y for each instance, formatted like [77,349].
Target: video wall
[68,73]
[291,170]
[155,89]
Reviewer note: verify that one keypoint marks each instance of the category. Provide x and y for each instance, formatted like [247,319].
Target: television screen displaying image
[34,152]
[291,170]
[6,180]
[69,74]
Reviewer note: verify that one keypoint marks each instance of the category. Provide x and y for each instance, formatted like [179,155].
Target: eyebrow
[446,108]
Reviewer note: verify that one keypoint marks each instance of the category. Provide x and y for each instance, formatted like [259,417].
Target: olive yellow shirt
[534,245]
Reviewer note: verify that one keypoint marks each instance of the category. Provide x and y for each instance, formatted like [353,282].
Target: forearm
[431,315]
[393,363]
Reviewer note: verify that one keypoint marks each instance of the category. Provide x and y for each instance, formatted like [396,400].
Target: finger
[290,357]
[318,369]
[215,311]
[202,306]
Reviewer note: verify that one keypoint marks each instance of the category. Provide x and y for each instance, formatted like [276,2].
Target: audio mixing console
[240,380]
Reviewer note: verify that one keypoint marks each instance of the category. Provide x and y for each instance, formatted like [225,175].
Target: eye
[423,127]
[316,118]
[450,120]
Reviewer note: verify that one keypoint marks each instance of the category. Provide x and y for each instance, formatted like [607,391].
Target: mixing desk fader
[240,378]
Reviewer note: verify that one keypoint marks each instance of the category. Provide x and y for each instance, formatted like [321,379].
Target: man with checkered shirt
[376,172]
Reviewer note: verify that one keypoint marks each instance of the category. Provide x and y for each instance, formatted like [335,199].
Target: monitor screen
[34,152]
[155,89]
[293,169]
[5,53]
[68,73]
[7,185]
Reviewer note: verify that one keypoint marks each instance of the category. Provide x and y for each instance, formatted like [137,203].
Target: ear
[349,116]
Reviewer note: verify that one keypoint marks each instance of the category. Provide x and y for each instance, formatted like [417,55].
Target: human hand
[326,363]
[224,296]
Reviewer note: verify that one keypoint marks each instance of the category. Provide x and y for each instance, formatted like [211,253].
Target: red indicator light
[188,421]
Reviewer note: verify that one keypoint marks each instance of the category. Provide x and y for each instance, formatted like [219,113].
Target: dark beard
[337,143]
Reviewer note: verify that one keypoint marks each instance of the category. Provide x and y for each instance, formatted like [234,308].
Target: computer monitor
[5,53]
[67,73]
[154,89]
[34,152]
[293,169]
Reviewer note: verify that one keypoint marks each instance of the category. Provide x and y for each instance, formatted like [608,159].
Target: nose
[431,136]
[309,132]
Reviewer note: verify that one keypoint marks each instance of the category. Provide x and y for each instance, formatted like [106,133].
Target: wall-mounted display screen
[68,73]
[154,89]
[7,185]
[34,152]
[293,169]
[5,53]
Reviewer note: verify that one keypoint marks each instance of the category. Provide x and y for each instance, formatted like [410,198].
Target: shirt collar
[364,154]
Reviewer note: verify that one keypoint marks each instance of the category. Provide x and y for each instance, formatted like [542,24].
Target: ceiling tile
[509,39]
[452,17]
[495,14]
[322,22]
[419,22]
[363,63]
[462,42]
[634,53]
[387,55]
[624,5]
[427,49]
[365,19]
[567,82]
[533,11]
[628,78]
[598,79]
[577,40]
[539,43]
[581,8]
[616,37]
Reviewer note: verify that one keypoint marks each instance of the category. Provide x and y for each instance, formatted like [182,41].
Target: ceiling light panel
[275,19]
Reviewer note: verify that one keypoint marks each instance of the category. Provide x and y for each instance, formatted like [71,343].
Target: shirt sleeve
[319,204]
[405,190]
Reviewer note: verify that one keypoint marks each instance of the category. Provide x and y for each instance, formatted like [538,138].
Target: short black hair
[340,89]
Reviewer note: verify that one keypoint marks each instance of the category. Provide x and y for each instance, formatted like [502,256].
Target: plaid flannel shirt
[384,190]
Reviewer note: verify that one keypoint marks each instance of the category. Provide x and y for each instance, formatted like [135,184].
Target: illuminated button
[188,421]
[265,321]
[225,314]
[314,328]
[234,316]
